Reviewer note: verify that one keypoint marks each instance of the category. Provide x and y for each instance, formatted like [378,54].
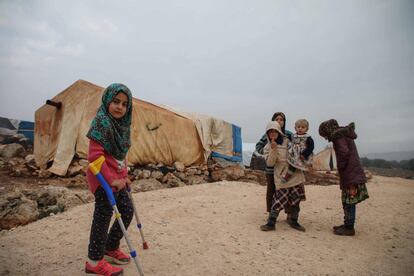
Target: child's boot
[344,230]
[103,268]
[294,216]
[288,218]
[271,222]
[338,226]
[347,229]
[295,225]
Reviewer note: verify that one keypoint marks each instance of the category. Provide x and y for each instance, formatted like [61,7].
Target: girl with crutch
[109,136]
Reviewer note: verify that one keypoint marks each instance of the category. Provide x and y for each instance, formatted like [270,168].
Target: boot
[338,226]
[271,222]
[344,230]
[268,227]
[295,225]
[288,218]
[294,217]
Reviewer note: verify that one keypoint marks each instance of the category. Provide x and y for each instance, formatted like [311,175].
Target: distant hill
[390,156]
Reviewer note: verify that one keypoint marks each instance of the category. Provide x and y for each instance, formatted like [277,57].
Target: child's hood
[274,125]
[347,131]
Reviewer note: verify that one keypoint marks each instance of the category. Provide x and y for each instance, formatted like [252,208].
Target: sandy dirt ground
[213,229]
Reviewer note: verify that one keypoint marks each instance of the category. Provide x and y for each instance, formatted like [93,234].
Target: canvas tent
[325,160]
[158,135]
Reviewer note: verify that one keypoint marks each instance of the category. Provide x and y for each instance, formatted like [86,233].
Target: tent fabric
[325,160]
[231,151]
[158,135]
[218,137]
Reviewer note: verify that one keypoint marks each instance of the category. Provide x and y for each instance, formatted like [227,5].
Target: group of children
[287,156]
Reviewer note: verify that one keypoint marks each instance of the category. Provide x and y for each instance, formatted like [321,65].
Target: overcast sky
[232,59]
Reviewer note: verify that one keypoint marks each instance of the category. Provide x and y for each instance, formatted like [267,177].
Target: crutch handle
[95,168]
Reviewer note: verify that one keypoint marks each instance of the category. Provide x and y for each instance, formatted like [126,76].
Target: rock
[9,136]
[20,171]
[157,175]
[254,178]
[175,182]
[195,179]
[72,199]
[182,176]
[172,181]
[79,181]
[16,161]
[179,166]
[322,178]
[191,171]
[49,195]
[13,196]
[146,174]
[61,197]
[227,173]
[167,177]
[84,163]
[44,173]
[31,162]
[138,174]
[152,167]
[74,170]
[49,210]
[17,210]
[12,150]
[144,185]
[25,142]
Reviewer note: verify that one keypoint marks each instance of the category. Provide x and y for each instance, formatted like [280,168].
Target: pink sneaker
[117,256]
[103,268]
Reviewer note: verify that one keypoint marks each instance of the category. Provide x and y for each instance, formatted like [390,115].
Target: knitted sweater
[111,169]
[277,158]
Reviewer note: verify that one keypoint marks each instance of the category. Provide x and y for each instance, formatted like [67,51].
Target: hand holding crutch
[95,168]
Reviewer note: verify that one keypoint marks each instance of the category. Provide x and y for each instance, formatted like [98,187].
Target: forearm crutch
[95,168]
[139,225]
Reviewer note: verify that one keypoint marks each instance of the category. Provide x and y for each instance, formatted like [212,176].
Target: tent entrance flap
[236,153]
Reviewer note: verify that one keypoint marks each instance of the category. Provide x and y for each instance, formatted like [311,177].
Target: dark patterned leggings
[349,214]
[99,239]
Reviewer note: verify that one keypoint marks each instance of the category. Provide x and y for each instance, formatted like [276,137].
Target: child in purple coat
[351,174]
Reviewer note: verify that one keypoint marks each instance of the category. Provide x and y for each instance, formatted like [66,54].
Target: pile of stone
[325,178]
[15,155]
[8,137]
[153,177]
[22,207]
[322,178]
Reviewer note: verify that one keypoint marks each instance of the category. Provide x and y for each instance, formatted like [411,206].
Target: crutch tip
[145,245]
